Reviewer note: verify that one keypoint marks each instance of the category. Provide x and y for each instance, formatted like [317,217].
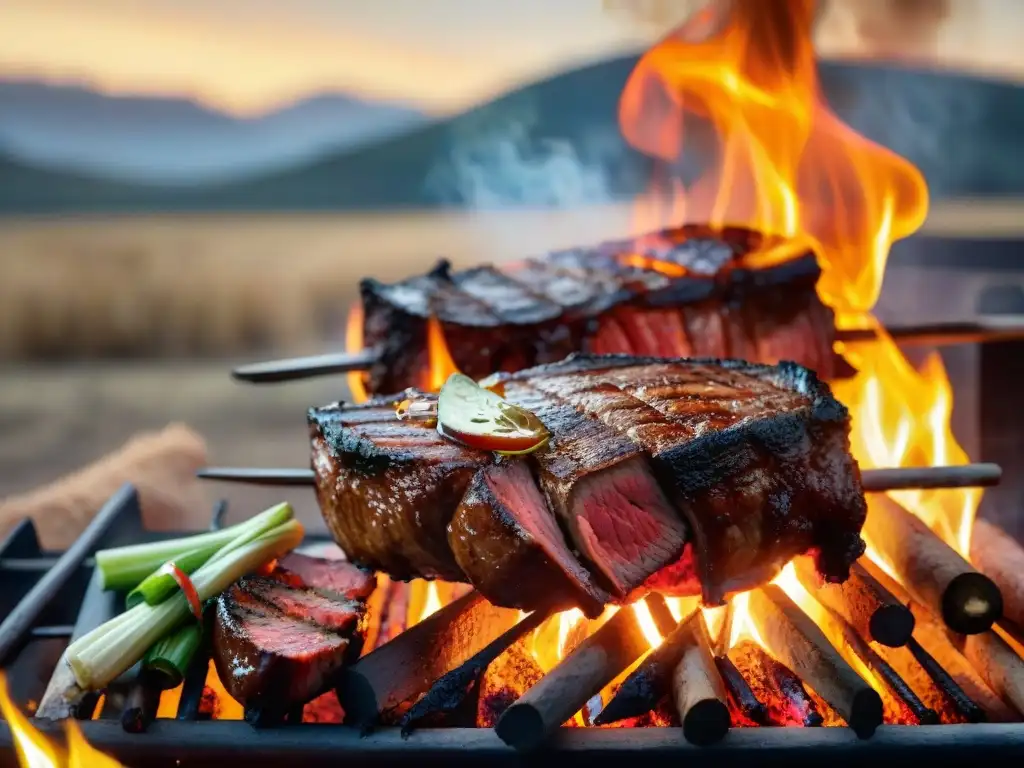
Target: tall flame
[354,344]
[35,750]
[784,164]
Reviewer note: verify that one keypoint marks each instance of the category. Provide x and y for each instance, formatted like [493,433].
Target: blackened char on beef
[749,462]
[278,641]
[678,293]
[756,457]
[388,488]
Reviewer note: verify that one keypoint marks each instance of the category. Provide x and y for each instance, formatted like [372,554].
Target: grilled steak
[747,463]
[600,486]
[680,293]
[278,640]
[502,530]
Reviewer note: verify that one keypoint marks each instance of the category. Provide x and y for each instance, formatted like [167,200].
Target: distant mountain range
[176,141]
[556,142]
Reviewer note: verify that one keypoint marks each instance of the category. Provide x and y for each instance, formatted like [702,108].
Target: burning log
[406,666]
[933,684]
[788,702]
[511,675]
[997,663]
[873,480]
[453,689]
[141,703]
[1001,558]
[871,609]
[582,674]
[902,704]
[932,571]
[795,640]
[697,687]
[651,681]
[937,641]
[745,708]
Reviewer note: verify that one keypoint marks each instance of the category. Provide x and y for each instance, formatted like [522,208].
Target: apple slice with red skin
[482,419]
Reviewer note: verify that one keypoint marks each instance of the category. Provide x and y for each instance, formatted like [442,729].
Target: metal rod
[57,630]
[220,743]
[875,480]
[925,335]
[18,623]
[275,371]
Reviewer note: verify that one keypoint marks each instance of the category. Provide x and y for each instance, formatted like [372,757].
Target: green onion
[157,587]
[124,568]
[170,656]
[110,649]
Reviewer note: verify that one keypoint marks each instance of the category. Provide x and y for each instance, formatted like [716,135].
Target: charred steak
[687,292]
[278,640]
[681,475]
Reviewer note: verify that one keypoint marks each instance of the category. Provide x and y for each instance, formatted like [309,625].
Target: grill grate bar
[19,622]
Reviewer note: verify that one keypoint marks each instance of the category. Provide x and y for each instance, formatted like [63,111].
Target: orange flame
[441,364]
[35,750]
[354,344]
[787,166]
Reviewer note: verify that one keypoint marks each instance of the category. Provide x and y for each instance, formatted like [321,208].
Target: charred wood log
[450,692]
[786,701]
[742,700]
[407,665]
[933,684]
[871,609]
[646,685]
[793,638]
[933,573]
[998,555]
[699,693]
[563,691]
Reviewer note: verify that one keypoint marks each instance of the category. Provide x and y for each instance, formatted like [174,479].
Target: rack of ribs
[685,476]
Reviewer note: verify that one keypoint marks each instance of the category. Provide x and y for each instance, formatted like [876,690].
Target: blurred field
[209,286]
[186,286]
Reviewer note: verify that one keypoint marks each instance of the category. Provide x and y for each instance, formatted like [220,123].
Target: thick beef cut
[279,641]
[601,487]
[683,292]
[756,457]
[508,544]
[388,488]
[336,578]
[747,465]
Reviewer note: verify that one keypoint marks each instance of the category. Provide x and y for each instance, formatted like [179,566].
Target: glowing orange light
[788,167]
[441,364]
[353,344]
[432,601]
[647,625]
[34,750]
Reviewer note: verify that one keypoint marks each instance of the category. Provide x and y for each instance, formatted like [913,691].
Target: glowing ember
[35,750]
[787,166]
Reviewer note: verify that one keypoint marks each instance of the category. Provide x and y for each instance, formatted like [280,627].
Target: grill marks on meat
[678,293]
[747,465]
[508,544]
[388,488]
[756,457]
[601,488]
[277,643]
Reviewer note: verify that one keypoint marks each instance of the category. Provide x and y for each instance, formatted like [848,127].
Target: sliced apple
[482,419]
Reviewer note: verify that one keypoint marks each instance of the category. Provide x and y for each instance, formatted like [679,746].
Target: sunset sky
[246,56]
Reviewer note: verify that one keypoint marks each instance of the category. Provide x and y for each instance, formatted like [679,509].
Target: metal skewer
[931,334]
[875,480]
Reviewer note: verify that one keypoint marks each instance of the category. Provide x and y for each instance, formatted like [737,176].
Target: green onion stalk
[157,587]
[110,649]
[124,568]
